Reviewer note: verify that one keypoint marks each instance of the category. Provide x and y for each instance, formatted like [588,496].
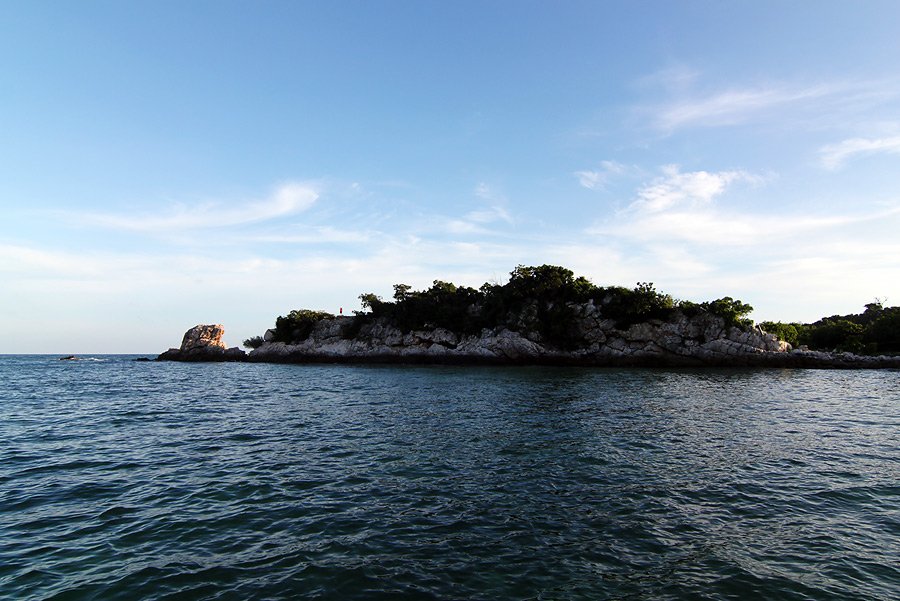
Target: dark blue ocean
[131,480]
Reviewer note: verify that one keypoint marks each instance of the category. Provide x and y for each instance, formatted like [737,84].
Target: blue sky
[164,164]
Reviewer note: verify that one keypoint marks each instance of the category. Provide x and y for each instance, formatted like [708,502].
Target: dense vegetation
[540,299]
[253,342]
[297,325]
[535,299]
[875,331]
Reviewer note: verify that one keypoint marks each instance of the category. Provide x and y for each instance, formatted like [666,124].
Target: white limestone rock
[208,337]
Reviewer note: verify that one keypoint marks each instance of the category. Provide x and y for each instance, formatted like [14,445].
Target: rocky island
[542,316]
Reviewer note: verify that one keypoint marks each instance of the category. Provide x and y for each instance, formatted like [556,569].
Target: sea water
[135,480]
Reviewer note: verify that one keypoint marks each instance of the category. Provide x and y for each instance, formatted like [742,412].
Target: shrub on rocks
[297,325]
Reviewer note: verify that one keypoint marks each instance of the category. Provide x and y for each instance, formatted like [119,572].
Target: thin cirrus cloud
[489,215]
[286,200]
[720,229]
[482,190]
[598,179]
[40,262]
[460,226]
[495,211]
[318,235]
[835,156]
[736,106]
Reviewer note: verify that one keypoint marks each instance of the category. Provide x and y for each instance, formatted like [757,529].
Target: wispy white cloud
[495,211]
[678,233]
[694,251]
[316,235]
[734,106]
[681,207]
[834,156]
[738,105]
[712,228]
[459,226]
[288,199]
[676,189]
[597,179]
[482,190]
[123,290]
[36,262]
[677,261]
[771,261]
[675,79]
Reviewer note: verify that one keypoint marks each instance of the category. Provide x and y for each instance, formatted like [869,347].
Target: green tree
[297,325]
[536,299]
[401,292]
[548,282]
[254,342]
[836,333]
[372,302]
[734,312]
[884,332]
[787,332]
[634,305]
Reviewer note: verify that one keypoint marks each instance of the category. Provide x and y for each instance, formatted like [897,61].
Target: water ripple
[123,480]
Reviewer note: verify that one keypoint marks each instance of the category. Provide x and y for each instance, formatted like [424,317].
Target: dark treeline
[539,299]
[875,331]
[534,299]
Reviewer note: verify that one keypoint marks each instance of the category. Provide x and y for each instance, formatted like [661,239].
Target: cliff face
[700,340]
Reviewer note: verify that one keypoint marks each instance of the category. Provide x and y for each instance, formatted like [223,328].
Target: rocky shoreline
[702,340]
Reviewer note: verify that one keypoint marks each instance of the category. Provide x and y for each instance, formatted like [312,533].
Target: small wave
[120,483]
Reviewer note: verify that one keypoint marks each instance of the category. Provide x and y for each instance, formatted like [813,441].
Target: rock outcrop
[699,340]
[203,343]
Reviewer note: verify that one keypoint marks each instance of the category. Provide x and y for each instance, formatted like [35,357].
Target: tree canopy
[875,331]
[540,299]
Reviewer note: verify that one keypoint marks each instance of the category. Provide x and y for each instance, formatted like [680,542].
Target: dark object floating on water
[70,358]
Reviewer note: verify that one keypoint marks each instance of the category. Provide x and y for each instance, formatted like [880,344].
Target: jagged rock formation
[699,340]
[203,343]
